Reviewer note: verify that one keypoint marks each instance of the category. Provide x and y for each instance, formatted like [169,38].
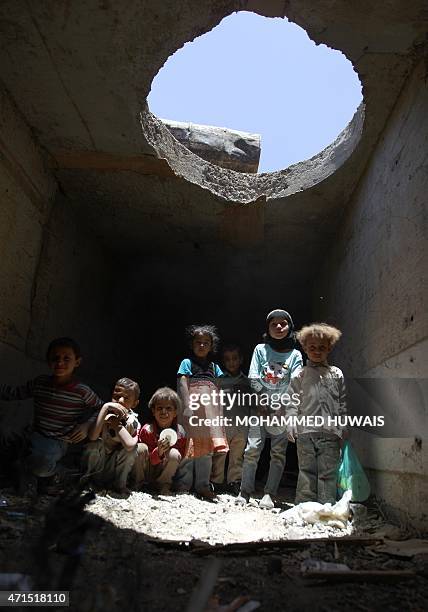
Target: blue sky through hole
[261,75]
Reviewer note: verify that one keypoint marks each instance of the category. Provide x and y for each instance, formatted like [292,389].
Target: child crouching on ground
[64,410]
[321,388]
[109,457]
[158,460]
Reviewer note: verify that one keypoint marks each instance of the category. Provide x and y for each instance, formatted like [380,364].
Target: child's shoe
[165,489]
[218,487]
[206,494]
[266,502]
[120,493]
[234,488]
[242,499]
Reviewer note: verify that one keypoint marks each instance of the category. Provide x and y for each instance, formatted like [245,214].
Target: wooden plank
[360,575]
[199,547]
[238,547]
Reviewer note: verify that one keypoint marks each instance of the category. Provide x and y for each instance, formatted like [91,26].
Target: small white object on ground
[266,502]
[241,500]
[334,515]
[314,565]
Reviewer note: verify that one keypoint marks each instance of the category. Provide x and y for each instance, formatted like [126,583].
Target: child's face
[278,328]
[62,361]
[232,362]
[317,349]
[164,412]
[202,345]
[124,397]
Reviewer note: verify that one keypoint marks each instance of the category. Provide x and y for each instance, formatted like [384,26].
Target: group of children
[188,440]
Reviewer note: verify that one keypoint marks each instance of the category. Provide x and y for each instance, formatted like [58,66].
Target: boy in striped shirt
[63,412]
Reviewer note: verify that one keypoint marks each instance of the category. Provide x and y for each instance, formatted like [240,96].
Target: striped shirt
[57,409]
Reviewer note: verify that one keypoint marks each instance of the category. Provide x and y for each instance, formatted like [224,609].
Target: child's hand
[292,433]
[113,423]
[115,408]
[79,433]
[163,447]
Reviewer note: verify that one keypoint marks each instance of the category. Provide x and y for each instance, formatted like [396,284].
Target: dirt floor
[153,553]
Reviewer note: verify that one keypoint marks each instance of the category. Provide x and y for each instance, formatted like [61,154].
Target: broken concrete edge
[231,149]
[244,188]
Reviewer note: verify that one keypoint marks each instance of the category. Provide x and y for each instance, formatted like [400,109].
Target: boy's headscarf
[289,342]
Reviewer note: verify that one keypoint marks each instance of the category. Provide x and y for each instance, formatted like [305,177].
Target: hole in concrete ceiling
[262,76]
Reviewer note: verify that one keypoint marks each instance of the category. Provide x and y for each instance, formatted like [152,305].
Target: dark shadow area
[59,545]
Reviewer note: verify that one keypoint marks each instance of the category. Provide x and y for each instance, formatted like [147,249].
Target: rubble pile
[185,518]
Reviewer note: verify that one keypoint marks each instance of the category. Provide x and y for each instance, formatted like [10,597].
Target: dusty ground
[114,556]
[186,518]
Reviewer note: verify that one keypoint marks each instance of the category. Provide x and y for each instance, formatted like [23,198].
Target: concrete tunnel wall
[59,277]
[127,312]
[55,279]
[373,283]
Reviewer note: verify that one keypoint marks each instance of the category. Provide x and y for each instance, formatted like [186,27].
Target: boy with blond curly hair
[321,389]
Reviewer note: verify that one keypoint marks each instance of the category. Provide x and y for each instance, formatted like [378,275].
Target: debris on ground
[20,582]
[403,548]
[150,552]
[214,523]
[312,513]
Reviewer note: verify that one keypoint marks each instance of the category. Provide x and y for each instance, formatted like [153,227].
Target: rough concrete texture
[48,267]
[239,151]
[373,285]
[26,190]
[145,237]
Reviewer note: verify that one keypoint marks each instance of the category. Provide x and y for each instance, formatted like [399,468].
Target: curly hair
[319,330]
[209,330]
[165,393]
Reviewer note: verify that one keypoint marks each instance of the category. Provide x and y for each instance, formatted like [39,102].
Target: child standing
[272,365]
[235,384]
[158,460]
[62,415]
[110,455]
[321,388]
[197,377]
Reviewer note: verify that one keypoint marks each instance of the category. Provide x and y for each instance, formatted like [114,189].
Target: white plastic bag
[334,515]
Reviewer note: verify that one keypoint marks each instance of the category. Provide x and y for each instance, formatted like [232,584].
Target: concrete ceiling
[80,72]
